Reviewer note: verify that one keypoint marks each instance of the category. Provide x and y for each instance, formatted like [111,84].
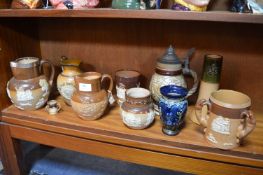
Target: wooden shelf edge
[177,148]
[165,14]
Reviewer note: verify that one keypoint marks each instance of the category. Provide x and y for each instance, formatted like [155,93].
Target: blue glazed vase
[173,107]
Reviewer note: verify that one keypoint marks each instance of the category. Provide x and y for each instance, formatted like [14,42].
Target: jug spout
[25,68]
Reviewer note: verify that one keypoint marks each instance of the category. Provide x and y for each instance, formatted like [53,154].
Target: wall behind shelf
[107,45]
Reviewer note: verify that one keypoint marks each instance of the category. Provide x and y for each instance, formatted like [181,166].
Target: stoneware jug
[137,110]
[228,119]
[169,71]
[65,80]
[29,89]
[89,101]
[173,107]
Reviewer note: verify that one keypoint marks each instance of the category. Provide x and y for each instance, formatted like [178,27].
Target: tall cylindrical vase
[210,78]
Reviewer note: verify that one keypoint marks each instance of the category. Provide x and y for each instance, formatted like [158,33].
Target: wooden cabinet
[107,40]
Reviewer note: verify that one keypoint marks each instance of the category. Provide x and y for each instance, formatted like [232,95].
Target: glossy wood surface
[131,154]
[137,44]
[190,142]
[165,14]
[10,156]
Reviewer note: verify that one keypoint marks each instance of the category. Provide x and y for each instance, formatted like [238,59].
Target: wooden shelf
[165,14]
[190,142]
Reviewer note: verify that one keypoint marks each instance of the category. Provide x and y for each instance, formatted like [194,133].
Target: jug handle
[247,125]
[194,76]
[52,70]
[111,81]
[202,119]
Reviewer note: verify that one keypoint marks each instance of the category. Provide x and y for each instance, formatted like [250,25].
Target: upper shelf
[165,14]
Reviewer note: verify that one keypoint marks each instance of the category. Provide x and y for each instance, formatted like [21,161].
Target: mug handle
[194,76]
[52,70]
[202,119]
[111,81]
[247,124]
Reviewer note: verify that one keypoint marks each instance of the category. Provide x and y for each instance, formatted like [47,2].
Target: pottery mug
[125,79]
[228,118]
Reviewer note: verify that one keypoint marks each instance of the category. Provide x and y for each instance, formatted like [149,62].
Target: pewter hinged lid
[169,61]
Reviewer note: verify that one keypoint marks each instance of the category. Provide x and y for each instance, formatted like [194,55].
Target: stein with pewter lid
[29,88]
[169,71]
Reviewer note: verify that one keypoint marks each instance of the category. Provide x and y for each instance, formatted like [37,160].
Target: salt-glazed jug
[29,89]
[89,101]
[65,81]
[169,71]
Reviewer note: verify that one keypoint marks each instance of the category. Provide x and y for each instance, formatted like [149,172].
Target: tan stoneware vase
[137,111]
[65,81]
[89,101]
[228,119]
[29,89]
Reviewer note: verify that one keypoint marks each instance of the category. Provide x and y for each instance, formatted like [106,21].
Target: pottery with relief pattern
[29,89]
[89,100]
[228,120]
[170,71]
[137,110]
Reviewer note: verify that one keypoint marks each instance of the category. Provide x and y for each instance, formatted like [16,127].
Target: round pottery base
[170,132]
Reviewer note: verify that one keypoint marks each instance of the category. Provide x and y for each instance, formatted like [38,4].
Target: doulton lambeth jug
[89,101]
[29,88]
[169,71]
[65,82]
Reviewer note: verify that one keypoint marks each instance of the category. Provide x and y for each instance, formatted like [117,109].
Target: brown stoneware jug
[29,88]
[89,101]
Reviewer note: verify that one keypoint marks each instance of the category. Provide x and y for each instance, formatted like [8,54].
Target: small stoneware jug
[53,107]
[29,88]
[228,119]
[65,81]
[137,111]
[169,71]
[173,106]
[89,101]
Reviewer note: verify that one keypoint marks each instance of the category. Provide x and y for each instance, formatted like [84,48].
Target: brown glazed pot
[228,119]
[89,101]
[28,89]
[125,79]
[137,111]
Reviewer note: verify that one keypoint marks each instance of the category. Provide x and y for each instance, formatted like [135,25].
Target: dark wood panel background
[18,38]
[110,45]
